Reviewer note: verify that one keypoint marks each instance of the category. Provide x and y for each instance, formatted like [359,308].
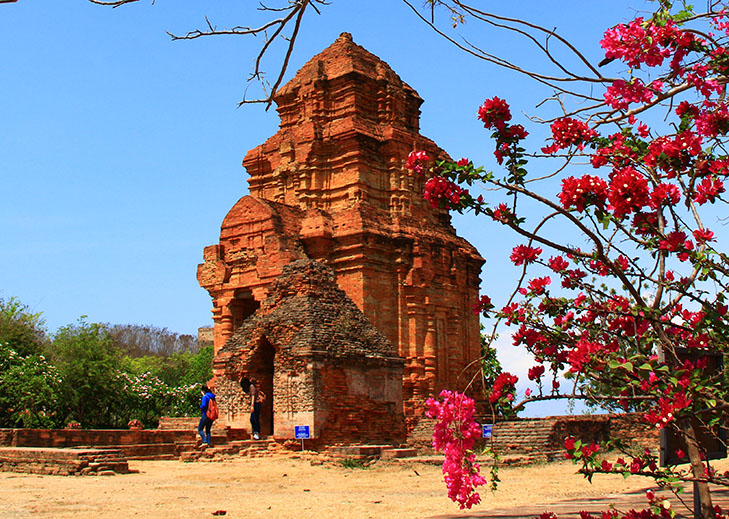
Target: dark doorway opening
[261,369]
[243,306]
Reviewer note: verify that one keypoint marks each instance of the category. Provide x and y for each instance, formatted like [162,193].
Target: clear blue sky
[120,150]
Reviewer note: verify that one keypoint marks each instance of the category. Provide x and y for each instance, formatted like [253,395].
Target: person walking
[205,423]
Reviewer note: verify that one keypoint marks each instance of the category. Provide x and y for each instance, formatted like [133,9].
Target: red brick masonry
[331,186]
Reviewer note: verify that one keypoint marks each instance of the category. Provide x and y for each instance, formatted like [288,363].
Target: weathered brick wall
[358,404]
[588,428]
[633,430]
[545,436]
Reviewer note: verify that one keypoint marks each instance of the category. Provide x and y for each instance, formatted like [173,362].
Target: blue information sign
[486,430]
[301,432]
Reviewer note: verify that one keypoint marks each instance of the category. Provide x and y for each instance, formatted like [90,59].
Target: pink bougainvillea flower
[454,434]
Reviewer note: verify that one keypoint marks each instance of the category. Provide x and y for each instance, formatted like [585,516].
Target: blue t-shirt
[204,405]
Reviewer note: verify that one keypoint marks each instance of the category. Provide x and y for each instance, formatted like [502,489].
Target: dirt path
[285,488]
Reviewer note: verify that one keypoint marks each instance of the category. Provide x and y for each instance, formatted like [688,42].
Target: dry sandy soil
[285,487]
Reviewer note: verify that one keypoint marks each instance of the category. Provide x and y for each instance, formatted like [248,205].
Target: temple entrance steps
[216,451]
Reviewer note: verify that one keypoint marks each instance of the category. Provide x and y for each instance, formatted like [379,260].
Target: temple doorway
[261,369]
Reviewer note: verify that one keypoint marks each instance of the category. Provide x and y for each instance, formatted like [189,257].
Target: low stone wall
[64,438]
[63,462]
[158,444]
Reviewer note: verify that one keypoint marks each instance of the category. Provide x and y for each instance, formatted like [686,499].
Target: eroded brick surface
[331,186]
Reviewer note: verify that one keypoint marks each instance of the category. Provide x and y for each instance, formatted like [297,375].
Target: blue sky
[121,150]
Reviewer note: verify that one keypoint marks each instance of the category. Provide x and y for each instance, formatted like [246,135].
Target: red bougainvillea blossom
[673,155]
[502,213]
[416,162]
[620,94]
[703,235]
[523,254]
[537,285]
[503,387]
[441,190]
[558,263]
[666,409]
[567,132]
[665,195]
[494,113]
[638,42]
[708,190]
[535,372]
[579,193]
[482,305]
[628,191]
[616,152]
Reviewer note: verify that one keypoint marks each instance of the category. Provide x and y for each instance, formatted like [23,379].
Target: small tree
[30,391]
[85,357]
[622,281]
[20,329]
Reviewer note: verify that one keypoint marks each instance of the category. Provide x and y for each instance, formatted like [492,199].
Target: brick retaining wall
[544,437]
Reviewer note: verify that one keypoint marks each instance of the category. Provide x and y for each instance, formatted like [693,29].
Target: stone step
[392,453]
[357,451]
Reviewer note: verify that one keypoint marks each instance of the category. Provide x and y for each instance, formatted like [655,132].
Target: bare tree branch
[114,3]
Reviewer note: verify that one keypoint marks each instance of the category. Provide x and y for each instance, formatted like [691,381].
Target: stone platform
[65,462]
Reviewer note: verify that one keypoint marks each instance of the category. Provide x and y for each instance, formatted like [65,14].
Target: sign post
[302,432]
[487,430]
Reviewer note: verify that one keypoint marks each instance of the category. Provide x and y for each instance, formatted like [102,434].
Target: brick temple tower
[331,186]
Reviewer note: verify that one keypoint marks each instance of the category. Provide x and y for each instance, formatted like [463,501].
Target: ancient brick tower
[331,186]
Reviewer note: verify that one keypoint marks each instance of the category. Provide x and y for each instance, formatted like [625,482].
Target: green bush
[30,391]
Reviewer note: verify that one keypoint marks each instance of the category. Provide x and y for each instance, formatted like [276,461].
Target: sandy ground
[285,487]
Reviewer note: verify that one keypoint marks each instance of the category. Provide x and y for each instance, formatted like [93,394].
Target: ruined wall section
[257,239]
[319,360]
